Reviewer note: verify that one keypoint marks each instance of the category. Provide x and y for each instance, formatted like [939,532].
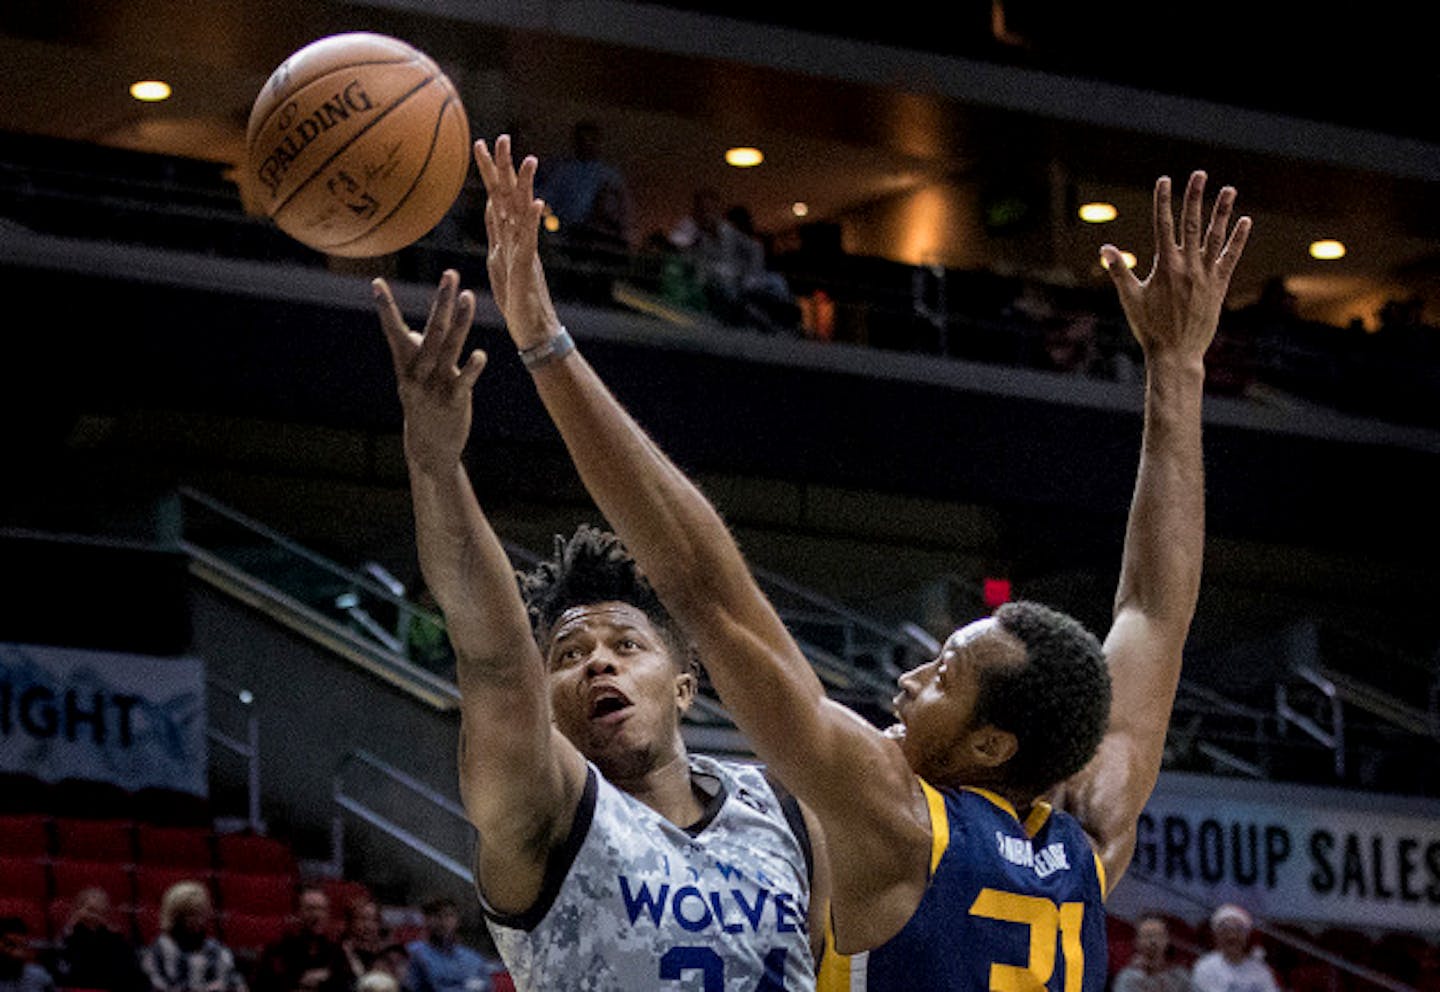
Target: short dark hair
[13,924]
[592,566]
[1057,704]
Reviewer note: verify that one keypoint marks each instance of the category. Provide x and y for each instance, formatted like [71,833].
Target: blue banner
[134,720]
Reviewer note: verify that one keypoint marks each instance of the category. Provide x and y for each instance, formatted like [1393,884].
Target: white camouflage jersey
[633,903]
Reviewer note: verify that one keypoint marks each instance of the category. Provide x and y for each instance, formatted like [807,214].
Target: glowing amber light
[744,158]
[1127,257]
[1098,213]
[1327,250]
[800,209]
[150,90]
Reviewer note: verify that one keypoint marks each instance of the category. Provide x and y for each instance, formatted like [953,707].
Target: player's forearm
[676,535]
[682,546]
[1165,535]
[468,572]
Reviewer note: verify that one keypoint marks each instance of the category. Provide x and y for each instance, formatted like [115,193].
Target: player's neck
[667,789]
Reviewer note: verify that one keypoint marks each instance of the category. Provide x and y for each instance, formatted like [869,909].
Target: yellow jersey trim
[1100,870]
[834,972]
[939,824]
[1039,813]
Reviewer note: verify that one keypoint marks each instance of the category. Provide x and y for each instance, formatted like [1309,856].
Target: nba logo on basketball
[358,145]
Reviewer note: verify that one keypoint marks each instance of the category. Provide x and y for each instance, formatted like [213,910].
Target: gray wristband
[557,346]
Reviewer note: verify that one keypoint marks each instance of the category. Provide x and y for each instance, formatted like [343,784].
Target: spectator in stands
[1151,969]
[439,963]
[588,198]
[377,981]
[587,194]
[394,960]
[308,958]
[17,972]
[727,261]
[1233,966]
[185,958]
[361,940]
[93,954]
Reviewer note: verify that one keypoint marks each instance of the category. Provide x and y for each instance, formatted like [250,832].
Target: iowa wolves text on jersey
[643,904]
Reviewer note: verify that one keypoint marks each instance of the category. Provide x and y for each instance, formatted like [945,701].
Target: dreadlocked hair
[592,566]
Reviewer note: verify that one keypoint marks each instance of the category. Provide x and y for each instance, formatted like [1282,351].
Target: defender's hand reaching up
[434,390]
[512,226]
[1175,310]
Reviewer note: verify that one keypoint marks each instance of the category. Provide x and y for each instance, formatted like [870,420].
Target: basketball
[357,145]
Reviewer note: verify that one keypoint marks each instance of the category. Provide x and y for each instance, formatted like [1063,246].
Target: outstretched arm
[831,759]
[519,778]
[1173,313]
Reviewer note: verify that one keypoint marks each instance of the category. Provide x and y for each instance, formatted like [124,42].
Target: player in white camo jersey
[571,757]
[633,900]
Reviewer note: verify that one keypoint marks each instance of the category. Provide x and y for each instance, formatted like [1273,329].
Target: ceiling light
[150,90]
[744,158]
[1098,213]
[1127,257]
[800,209]
[1327,249]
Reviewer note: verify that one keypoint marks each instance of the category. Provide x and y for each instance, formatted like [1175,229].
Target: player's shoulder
[736,774]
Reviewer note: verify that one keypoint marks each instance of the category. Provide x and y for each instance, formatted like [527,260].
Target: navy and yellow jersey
[1011,907]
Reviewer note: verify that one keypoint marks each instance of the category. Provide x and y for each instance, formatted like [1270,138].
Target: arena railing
[434,806]
[247,748]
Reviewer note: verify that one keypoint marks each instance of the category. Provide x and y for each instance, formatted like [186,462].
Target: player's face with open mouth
[615,690]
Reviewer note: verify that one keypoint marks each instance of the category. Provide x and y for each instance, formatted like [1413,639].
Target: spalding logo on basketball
[358,145]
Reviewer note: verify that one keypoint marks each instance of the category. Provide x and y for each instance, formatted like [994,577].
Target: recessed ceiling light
[744,158]
[800,209]
[150,90]
[1098,213]
[1127,257]
[1327,249]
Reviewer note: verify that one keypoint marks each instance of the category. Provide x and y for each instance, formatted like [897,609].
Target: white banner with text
[1287,853]
[133,720]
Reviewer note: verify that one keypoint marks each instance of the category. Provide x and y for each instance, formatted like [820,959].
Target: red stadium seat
[26,836]
[95,840]
[252,931]
[24,878]
[152,881]
[185,847]
[31,911]
[264,895]
[255,854]
[502,982]
[58,913]
[70,877]
[146,923]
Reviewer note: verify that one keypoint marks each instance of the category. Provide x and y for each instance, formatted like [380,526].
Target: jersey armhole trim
[939,824]
[557,865]
[1100,873]
[790,806]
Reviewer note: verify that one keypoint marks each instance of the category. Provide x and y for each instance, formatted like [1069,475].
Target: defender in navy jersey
[608,859]
[998,885]
[1018,704]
